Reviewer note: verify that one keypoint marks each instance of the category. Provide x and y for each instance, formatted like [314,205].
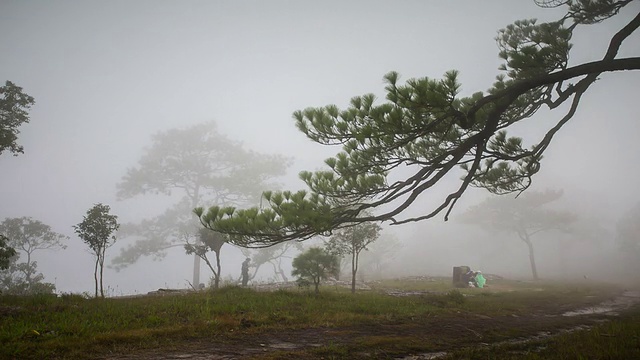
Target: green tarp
[480,280]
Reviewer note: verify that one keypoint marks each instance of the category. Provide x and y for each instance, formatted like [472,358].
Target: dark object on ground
[463,277]
[459,276]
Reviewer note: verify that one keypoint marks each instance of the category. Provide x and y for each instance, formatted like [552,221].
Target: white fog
[106,76]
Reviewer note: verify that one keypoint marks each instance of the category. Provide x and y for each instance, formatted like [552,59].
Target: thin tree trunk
[525,237]
[196,258]
[196,269]
[255,272]
[337,274]
[95,275]
[284,277]
[532,259]
[217,275]
[354,269]
[29,271]
[102,274]
[275,270]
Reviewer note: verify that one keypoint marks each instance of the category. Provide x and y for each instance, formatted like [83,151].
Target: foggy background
[108,75]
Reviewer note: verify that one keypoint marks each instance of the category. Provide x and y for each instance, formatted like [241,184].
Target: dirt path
[441,333]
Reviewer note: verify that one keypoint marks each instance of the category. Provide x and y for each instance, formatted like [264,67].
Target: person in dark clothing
[468,278]
[245,272]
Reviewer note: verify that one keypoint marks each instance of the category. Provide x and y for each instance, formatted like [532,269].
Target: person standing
[245,271]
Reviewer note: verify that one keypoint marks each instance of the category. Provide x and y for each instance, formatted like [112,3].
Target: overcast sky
[106,75]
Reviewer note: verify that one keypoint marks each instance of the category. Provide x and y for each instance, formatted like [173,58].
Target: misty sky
[107,75]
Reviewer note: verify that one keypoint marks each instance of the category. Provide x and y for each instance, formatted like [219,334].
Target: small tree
[209,241]
[314,265]
[96,230]
[14,106]
[351,241]
[6,252]
[27,236]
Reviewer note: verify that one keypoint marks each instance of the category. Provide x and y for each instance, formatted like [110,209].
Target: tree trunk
[101,274]
[284,277]
[28,273]
[316,282]
[255,272]
[196,258]
[217,274]
[525,237]
[196,269]
[354,270]
[532,259]
[95,276]
[277,270]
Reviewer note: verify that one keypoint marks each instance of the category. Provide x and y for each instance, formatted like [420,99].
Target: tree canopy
[30,235]
[425,126]
[198,164]
[6,252]
[14,111]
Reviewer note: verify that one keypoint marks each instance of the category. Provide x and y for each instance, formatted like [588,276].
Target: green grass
[72,326]
[415,284]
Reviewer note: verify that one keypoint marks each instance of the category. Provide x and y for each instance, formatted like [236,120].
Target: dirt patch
[433,336]
[441,333]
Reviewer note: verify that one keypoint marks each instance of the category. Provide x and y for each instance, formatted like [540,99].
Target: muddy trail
[442,334]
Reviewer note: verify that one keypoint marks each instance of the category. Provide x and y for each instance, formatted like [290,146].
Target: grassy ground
[335,324]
